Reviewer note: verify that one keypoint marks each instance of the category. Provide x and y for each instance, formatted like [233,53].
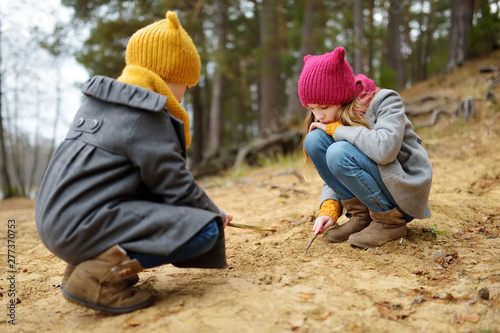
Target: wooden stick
[252,227]
[308,246]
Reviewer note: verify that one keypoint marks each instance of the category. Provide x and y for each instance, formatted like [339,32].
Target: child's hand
[317,125]
[322,223]
[227,217]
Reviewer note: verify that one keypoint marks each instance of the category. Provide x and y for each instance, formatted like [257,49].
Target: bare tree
[269,108]
[394,57]
[307,45]
[16,141]
[36,147]
[371,46]
[429,33]
[4,174]
[217,106]
[461,23]
[358,35]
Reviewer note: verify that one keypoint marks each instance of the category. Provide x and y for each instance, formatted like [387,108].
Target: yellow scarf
[145,78]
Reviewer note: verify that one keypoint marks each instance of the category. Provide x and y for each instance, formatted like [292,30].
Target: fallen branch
[278,142]
[489,69]
[468,106]
[290,172]
[285,188]
[415,111]
[421,99]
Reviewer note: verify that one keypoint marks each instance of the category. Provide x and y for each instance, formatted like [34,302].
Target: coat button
[80,122]
[94,123]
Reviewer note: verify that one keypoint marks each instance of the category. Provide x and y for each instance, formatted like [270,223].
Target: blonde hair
[350,114]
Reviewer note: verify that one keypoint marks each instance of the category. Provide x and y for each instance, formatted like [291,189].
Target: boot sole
[109,309]
[335,240]
[127,282]
[364,246]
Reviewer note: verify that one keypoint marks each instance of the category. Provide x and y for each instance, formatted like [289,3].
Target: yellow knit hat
[166,49]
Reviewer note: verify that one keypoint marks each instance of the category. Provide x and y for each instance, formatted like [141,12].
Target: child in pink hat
[365,150]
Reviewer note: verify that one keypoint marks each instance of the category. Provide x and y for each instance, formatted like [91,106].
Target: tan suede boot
[360,219]
[128,282]
[67,273]
[385,227]
[97,283]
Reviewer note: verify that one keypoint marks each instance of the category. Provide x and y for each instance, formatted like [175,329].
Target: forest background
[251,52]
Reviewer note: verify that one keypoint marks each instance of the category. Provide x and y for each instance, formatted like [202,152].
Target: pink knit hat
[364,86]
[327,79]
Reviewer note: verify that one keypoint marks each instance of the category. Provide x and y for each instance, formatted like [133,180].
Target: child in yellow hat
[117,196]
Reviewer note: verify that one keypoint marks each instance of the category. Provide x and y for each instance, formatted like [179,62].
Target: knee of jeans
[314,141]
[210,231]
[338,157]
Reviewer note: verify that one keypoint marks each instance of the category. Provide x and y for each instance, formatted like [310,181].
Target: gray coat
[391,143]
[120,177]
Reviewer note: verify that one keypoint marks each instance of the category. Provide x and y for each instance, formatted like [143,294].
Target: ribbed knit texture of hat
[365,87]
[166,49]
[326,79]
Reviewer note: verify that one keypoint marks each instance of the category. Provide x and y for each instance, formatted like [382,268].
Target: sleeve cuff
[331,127]
[330,208]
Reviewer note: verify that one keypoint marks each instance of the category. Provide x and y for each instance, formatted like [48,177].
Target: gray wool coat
[120,177]
[392,143]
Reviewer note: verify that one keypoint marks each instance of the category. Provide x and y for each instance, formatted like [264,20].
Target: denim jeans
[200,243]
[349,172]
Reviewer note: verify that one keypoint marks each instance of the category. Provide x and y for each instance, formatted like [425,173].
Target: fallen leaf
[133,322]
[471,317]
[306,296]
[323,316]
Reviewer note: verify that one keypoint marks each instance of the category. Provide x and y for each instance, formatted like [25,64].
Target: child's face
[178,90]
[324,113]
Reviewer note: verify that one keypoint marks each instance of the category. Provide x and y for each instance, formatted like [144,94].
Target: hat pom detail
[172,18]
[307,57]
[339,54]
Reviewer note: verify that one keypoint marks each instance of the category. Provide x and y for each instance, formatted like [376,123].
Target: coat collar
[113,91]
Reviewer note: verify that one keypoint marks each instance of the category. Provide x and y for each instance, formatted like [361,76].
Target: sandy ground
[443,277]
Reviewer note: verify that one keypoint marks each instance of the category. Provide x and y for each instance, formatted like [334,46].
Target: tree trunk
[307,45]
[409,63]
[419,45]
[371,48]
[293,106]
[429,33]
[4,174]
[239,107]
[358,35]
[217,106]
[36,147]
[269,108]
[58,110]
[461,23]
[198,127]
[17,145]
[394,57]
[199,123]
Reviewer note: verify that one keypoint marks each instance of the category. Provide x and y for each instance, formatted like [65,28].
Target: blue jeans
[349,172]
[200,243]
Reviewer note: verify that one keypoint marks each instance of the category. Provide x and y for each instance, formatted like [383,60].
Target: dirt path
[446,283]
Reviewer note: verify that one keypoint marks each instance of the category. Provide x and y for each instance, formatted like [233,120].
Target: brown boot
[97,283]
[360,219]
[67,273]
[128,282]
[386,226]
